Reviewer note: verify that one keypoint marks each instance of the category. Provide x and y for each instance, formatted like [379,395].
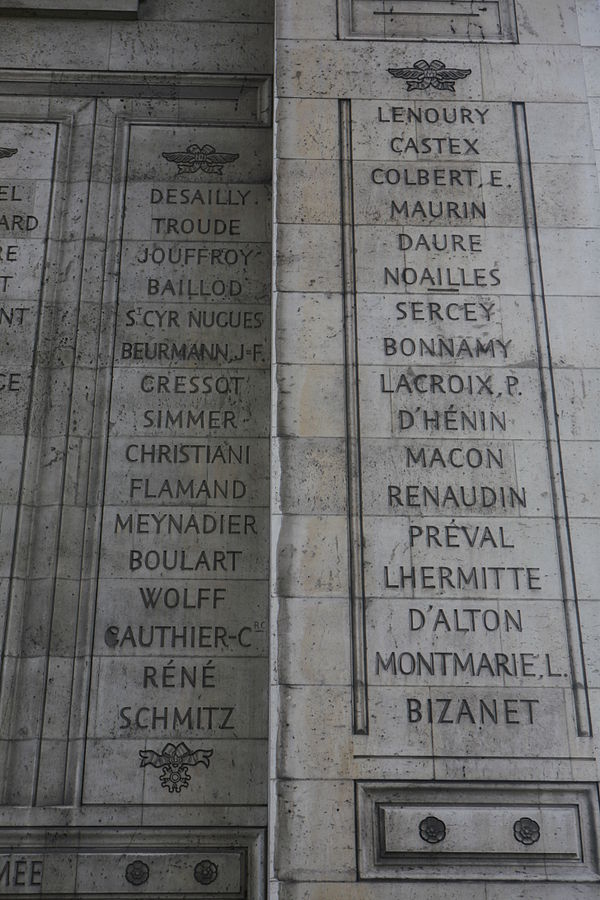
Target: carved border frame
[476,802]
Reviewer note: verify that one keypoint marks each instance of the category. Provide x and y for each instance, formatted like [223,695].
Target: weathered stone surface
[468,213]
[135,524]
[361,612]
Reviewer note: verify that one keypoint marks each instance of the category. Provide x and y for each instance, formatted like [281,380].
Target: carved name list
[463,617]
[180,661]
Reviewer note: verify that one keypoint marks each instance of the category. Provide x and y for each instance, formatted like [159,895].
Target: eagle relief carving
[424,75]
[205,159]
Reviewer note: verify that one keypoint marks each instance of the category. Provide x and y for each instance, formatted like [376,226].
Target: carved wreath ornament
[424,75]
[174,761]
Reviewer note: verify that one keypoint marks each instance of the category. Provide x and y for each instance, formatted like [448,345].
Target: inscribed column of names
[178,711]
[466,649]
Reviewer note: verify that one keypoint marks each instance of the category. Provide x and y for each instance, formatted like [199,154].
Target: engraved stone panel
[179,676]
[134,608]
[464,608]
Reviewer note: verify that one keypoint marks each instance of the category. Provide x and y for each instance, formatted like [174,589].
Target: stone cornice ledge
[73,8]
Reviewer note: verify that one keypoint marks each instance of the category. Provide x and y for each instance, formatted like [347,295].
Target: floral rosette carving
[432,830]
[137,872]
[526,831]
[175,777]
[206,871]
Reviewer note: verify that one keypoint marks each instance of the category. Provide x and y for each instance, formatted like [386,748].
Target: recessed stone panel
[454,464]
[123,862]
[530,832]
[449,20]
[179,679]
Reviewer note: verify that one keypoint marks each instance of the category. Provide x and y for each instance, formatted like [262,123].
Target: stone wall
[136,287]
[437,212]
[299,603]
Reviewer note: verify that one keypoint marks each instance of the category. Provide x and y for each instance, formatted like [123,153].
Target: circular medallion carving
[137,872]
[526,831]
[206,871]
[432,830]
